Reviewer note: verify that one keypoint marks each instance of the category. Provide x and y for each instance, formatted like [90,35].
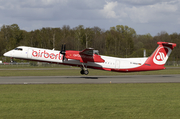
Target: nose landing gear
[12,60]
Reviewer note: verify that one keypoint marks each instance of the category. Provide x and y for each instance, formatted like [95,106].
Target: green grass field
[90,101]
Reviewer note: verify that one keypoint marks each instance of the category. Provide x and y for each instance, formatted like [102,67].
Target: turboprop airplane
[90,58]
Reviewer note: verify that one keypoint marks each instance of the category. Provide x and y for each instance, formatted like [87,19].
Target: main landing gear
[84,70]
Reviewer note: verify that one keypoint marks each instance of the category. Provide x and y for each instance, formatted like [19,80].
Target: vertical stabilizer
[160,55]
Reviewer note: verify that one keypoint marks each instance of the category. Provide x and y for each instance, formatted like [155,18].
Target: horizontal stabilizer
[167,44]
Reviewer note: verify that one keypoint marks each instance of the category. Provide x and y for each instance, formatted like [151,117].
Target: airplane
[90,58]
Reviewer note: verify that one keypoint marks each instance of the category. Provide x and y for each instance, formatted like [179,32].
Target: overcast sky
[145,16]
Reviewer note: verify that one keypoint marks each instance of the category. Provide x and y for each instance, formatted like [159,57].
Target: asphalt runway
[90,79]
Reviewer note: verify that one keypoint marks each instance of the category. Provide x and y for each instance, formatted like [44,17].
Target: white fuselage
[88,59]
[54,56]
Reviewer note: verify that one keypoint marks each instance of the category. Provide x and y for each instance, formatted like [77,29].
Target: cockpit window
[20,49]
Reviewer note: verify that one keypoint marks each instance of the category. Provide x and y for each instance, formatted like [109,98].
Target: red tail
[160,55]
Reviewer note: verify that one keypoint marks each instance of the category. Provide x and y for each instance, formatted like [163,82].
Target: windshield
[18,49]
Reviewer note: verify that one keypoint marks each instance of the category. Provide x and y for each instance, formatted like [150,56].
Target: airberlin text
[45,54]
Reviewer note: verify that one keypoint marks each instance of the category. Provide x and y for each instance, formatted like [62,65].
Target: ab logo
[161,55]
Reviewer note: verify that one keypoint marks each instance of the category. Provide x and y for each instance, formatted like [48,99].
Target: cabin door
[117,64]
[29,53]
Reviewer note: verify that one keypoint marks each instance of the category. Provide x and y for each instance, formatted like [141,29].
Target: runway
[90,79]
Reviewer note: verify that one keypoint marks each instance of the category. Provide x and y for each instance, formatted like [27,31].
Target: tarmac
[90,79]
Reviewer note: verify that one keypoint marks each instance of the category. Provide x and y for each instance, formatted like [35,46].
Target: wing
[84,56]
[88,55]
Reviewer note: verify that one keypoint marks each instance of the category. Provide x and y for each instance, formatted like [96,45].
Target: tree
[120,41]
[124,39]
[79,35]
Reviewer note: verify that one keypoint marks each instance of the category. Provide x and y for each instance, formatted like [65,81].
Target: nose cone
[7,54]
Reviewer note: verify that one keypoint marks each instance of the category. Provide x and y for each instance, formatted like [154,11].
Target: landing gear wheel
[82,72]
[86,72]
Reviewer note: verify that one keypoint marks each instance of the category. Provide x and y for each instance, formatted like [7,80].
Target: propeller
[63,51]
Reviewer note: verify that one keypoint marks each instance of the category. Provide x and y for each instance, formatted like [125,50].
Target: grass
[90,101]
[75,72]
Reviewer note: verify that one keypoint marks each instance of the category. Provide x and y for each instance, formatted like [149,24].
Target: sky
[144,16]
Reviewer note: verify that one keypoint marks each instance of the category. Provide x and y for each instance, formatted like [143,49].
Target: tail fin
[161,54]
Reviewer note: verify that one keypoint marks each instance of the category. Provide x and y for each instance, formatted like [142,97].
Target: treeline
[119,41]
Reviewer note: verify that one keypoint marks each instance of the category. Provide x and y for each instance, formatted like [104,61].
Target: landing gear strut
[84,70]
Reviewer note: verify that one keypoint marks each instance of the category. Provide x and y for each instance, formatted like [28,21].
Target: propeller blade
[63,51]
[64,47]
[63,57]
